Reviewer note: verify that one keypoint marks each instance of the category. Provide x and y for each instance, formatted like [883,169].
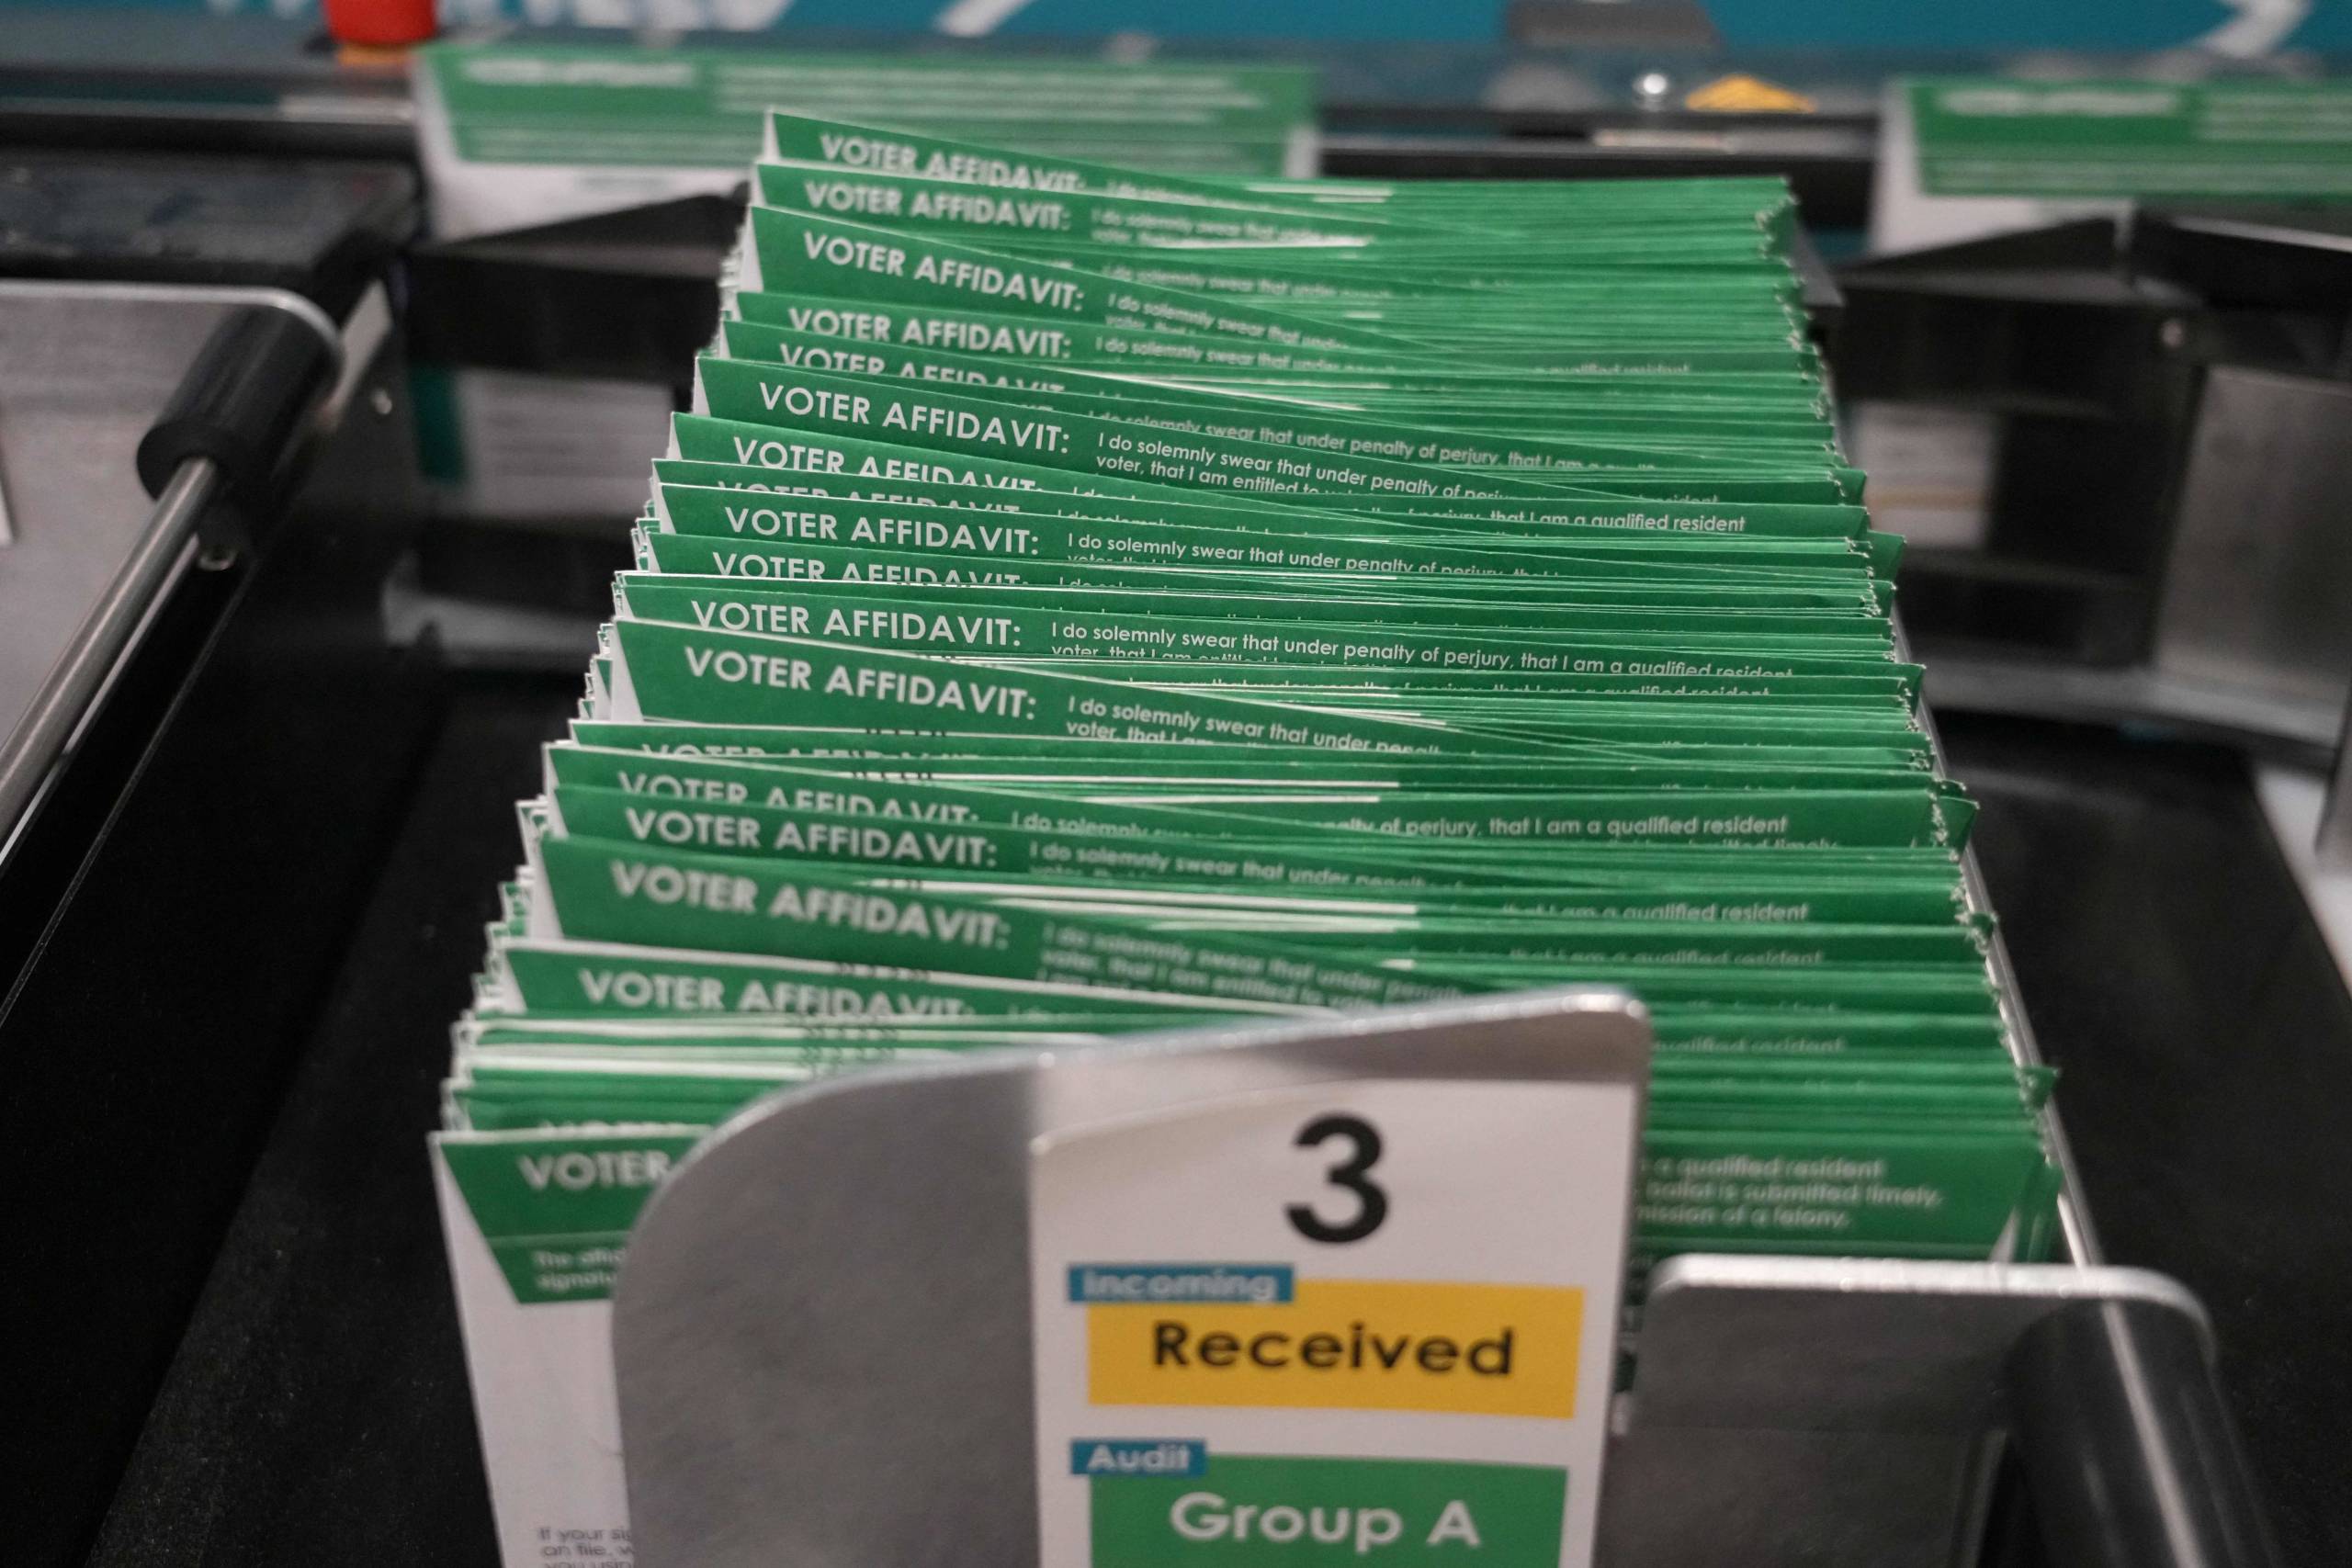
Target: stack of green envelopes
[1087,601]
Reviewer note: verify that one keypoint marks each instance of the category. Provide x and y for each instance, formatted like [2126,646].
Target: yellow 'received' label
[1348,1345]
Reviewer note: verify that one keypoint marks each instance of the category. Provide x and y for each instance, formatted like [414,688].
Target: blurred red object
[379,22]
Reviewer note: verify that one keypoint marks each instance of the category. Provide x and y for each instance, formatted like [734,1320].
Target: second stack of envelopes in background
[1084,602]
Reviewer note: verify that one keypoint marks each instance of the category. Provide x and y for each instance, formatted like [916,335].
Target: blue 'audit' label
[1139,1456]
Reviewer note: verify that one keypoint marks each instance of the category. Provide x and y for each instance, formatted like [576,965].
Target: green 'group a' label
[1248,1509]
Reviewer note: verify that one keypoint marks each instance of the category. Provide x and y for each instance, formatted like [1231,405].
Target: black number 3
[1372,1204]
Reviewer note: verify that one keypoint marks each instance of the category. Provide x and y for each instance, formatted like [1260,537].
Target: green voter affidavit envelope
[1081,602]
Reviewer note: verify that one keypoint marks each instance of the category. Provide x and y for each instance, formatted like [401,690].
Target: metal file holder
[826,1313]
[775,1411]
[1784,1412]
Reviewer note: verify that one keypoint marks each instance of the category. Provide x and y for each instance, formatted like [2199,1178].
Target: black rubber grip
[241,402]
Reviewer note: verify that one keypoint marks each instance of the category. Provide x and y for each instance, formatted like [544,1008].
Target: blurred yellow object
[373,56]
[1746,94]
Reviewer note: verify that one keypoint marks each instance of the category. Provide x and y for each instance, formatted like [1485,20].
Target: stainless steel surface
[1826,1412]
[2256,591]
[73,681]
[1859,1344]
[2126,1443]
[2073,1219]
[7,523]
[250,78]
[84,368]
[358,342]
[2267,718]
[2334,849]
[822,1332]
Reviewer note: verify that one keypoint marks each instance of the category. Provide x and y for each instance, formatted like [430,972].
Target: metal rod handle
[2129,1453]
[73,680]
[225,435]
